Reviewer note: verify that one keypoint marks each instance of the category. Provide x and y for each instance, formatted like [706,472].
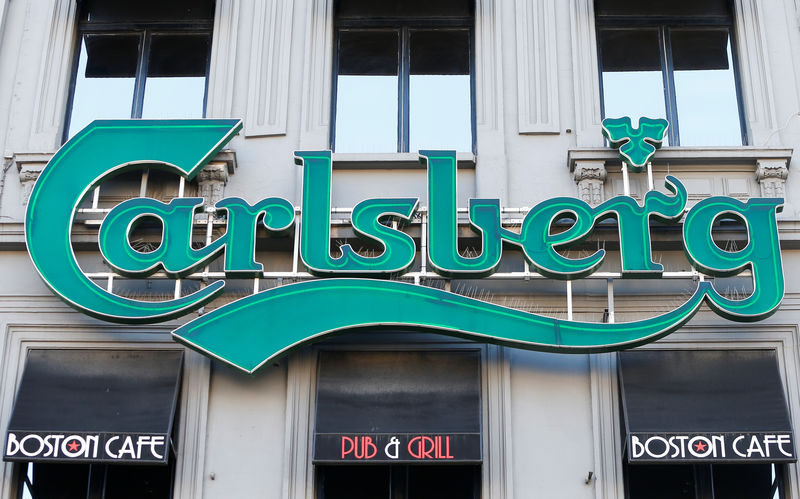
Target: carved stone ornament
[211,182]
[29,166]
[771,175]
[590,177]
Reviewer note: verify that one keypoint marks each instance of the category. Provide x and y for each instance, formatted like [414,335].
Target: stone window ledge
[676,157]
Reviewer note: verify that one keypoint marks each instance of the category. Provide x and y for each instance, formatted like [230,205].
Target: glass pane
[674,481]
[443,482]
[366,91]
[105,79]
[440,104]
[673,8]
[176,76]
[633,84]
[138,482]
[147,10]
[740,481]
[705,88]
[57,481]
[354,482]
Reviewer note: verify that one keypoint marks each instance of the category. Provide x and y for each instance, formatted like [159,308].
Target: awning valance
[394,407]
[704,405]
[95,406]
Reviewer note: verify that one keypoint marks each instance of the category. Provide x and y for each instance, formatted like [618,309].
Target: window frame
[98,474]
[403,26]
[664,25]
[145,31]
[703,474]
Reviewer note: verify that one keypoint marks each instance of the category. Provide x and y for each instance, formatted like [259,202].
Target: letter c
[103,148]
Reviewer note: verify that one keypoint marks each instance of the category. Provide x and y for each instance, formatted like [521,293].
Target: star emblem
[700,446]
[73,446]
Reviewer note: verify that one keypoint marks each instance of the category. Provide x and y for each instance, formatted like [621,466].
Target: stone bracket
[590,177]
[771,176]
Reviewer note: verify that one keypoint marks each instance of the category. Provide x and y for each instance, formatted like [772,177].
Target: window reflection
[685,75]
[153,65]
[366,91]
[705,87]
[176,76]
[105,80]
[402,88]
[633,84]
[439,90]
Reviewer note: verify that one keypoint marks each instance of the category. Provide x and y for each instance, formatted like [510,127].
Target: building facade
[513,93]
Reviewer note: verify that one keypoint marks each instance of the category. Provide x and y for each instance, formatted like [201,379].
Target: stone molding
[537,71]
[771,176]
[211,182]
[590,177]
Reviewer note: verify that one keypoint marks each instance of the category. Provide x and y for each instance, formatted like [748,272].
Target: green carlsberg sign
[356,290]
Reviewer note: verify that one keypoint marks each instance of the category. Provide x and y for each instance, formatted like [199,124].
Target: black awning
[419,406]
[704,405]
[95,406]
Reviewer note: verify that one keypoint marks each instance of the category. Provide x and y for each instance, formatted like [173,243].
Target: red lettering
[438,447]
[447,452]
[415,455]
[426,451]
[359,455]
[368,445]
[352,446]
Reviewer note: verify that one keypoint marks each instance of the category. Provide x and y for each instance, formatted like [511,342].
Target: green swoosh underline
[259,328]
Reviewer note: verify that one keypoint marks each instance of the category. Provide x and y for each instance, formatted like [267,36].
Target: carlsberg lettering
[352,296]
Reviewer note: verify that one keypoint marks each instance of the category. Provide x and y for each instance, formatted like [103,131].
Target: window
[704,481]
[94,423]
[403,76]
[398,424]
[673,60]
[144,59]
[48,480]
[398,482]
[704,424]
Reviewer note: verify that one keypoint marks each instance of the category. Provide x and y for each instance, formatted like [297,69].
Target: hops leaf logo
[636,145]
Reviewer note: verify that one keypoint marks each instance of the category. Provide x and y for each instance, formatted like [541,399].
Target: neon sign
[357,291]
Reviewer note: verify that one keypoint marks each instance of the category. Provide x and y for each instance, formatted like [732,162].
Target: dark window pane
[671,8]
[355,9]
[147,10]
[440,52]
[58,480]
[138,482]
[440,90]
[368,52]
[176,76]
[700,49]
[630,50]
[178,55]
[105,79]
[705,88]
[661,482]
[366,91]
[354,482]
[633,84]
[443,482]
[111,56]
[742,481]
